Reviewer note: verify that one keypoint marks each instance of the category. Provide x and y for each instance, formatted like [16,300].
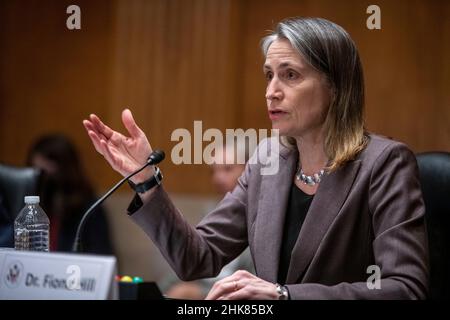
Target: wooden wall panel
[50,77]
[174,64]
[176,61]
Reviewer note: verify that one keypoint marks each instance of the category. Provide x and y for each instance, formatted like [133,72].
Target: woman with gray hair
[343,218]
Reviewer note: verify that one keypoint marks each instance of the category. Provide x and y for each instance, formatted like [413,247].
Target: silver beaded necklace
[309,180]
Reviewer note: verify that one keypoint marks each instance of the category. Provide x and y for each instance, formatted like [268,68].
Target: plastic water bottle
[32,227]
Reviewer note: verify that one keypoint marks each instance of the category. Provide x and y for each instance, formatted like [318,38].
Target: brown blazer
[369,212]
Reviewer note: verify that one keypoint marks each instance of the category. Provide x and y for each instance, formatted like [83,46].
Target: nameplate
[56,276]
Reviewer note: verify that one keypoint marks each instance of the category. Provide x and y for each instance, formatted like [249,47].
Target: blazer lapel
[272,204]
[327,203]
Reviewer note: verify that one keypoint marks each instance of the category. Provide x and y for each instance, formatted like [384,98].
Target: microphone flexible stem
[77,243]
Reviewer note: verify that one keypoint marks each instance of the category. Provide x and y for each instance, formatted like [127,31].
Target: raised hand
[124,154]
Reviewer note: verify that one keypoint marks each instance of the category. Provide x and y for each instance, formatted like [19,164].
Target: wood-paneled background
[176,61]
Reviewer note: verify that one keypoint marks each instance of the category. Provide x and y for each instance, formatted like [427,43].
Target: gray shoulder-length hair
[329,49]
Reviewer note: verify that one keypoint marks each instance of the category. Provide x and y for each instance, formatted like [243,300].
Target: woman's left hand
[242,285]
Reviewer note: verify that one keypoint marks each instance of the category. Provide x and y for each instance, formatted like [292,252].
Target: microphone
[156,157]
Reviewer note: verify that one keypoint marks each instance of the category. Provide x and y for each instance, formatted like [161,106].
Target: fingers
[253,289]
[107,154]
[100,128]
[102,131]
[88,125]
[242,285]
[95,140]
[98,141]
[130,124]
[102,147]
[241,294]
[229,284]
[222,288]
[116,148]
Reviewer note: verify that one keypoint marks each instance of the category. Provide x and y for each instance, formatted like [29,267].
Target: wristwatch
[143,187]
[283,293]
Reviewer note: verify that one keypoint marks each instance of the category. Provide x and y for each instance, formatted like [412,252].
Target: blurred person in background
[225,172]
[66,194]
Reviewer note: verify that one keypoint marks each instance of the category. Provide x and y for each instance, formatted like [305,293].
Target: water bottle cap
[32,199]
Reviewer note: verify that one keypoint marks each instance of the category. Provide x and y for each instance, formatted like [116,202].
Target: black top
[297,208]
